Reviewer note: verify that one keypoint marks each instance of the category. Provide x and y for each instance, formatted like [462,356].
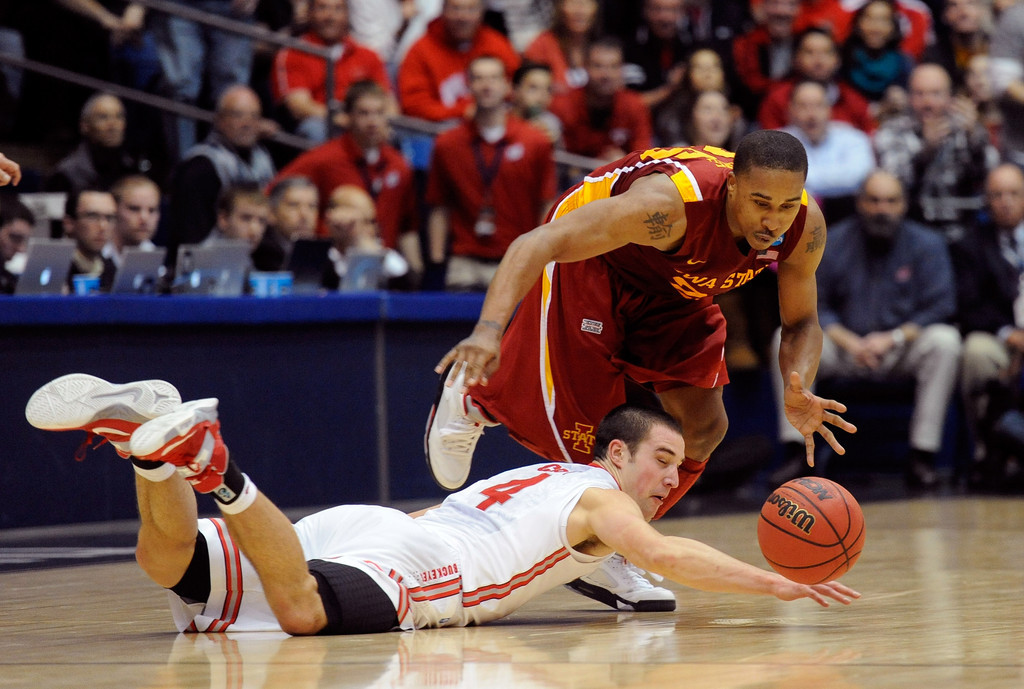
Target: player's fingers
[447,359]
[834,405]
[839,422]
[830,438]
[796,383]
[809,448]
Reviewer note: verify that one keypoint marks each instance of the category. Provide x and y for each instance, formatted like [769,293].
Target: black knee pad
[195,582]
[353,601]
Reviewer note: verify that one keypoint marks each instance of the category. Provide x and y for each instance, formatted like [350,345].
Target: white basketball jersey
[483,553]
[509,534]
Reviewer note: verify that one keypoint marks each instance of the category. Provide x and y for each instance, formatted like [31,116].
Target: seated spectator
[16,223]
[243,212]
[101,158]
[836,17]
[89,219]
[704,72]
[873,62]
[363,157]
[654,55]
[603,119]
[839,156]
[230,154]
[817,58]
[977,88]
[138,214]
[352,222]
[884,301]
[432,77]
[939,151]
[964,31]
[564,45]
[532,92]
[1006,59]
[711,121]
[492,178]
[300,79]
[764,54]
[989,262]
[293,215]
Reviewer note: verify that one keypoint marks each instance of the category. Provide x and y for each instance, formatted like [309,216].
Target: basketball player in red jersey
[619,283]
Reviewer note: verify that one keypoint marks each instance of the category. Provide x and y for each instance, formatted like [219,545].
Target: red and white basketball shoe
[189,438]
[80,402]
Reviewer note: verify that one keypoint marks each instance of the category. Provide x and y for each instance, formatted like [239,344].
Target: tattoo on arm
[658,226]
[817,239]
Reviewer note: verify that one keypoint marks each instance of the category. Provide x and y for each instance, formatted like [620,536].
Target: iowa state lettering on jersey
[700,286]
[717,156]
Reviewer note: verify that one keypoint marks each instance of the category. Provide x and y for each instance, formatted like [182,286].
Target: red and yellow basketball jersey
[708,262]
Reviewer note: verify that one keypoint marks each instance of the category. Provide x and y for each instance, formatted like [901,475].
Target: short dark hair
[527,66]
[230,195]
[71,204]
[632,425]
[770,149]
[360,89]
[11,209]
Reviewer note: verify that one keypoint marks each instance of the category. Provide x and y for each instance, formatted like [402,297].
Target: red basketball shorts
[573,341]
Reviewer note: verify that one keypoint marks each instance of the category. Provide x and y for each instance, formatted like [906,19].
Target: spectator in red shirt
[603,119]
[363,157]
[492,178]
[816,58]
[432,77]
[916,23]
[299,81]
[765,53]
[564,45]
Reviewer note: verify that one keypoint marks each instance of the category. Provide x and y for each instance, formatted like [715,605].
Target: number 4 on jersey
[501,493]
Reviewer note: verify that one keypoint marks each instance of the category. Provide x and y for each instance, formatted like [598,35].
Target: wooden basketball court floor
[943,606]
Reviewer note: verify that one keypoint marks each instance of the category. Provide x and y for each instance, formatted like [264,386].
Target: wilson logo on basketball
[793,512]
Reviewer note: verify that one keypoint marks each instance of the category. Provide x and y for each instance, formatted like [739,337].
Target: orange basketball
[811,530]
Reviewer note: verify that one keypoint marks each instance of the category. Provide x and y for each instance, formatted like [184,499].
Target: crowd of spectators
[923,97]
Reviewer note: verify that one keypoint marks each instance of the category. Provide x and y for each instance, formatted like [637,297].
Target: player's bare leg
[190,440]
[167,534]
[268,539]
[701,413]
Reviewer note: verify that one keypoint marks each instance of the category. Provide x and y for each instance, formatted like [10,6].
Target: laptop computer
[307,263]
[47,264]
[141,272]
[218,269]
[364,272]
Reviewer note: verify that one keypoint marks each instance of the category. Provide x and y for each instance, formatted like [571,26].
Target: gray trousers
[932,360]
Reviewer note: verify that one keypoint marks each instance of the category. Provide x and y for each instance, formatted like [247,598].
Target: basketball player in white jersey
[481,554]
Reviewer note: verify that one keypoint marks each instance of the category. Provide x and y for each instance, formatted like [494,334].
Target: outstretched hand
[10,171]
[819,593]
[479,353]
[809,413]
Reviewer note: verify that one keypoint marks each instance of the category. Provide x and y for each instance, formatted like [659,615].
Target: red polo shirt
[295,70]
[523,184]
[389,181]
[628,128]
[432,77]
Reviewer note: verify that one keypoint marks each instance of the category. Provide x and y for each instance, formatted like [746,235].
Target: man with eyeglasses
[16,222]
[89,218]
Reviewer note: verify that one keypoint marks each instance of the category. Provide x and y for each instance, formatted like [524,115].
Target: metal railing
[330,55]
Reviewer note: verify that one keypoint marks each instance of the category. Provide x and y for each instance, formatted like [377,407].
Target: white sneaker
[453,428]
[623,586]
[80,402]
